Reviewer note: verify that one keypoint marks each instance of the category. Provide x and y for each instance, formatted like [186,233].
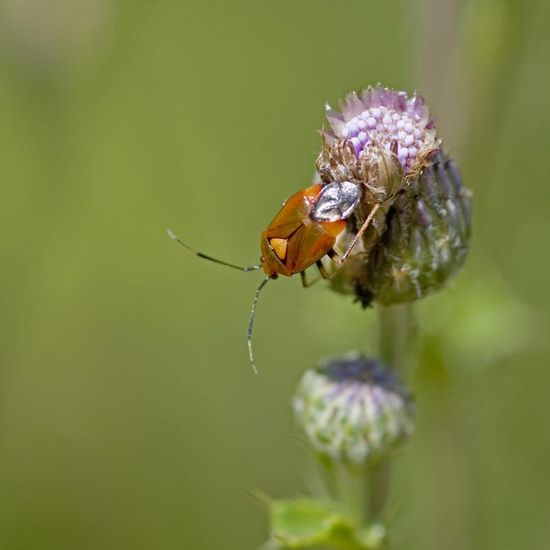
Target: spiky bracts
[353,409]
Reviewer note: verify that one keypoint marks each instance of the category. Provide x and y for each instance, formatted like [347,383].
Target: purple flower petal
[381,116]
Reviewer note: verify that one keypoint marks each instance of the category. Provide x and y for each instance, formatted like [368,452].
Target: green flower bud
[353,409]
[415,245]
[426,239]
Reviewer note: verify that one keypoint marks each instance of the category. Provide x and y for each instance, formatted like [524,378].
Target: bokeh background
[129,416]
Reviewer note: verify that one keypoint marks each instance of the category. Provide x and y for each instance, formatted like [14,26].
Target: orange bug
[303,232]
[297,238]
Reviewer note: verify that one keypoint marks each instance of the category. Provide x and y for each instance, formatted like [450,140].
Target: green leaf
[311,523]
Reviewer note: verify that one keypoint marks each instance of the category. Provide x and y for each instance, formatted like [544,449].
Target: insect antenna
[174,237]
[250,327]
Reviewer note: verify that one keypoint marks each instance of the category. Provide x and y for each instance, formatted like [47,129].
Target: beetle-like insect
[303,232]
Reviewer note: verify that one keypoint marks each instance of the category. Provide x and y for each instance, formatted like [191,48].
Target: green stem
[379,478]
[397,330]
[397,334]
[362,489]
[351,481]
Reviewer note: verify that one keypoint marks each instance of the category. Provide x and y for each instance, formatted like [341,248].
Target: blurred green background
[129,416]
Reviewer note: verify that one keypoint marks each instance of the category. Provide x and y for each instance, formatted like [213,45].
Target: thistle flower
[353,409]
[380,118]
[420,234]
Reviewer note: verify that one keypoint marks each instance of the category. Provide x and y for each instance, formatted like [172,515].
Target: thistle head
[419,236]
[382,119]
[353,409]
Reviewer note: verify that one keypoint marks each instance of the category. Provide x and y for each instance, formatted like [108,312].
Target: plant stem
[397,330]
[379,478]
[351,481]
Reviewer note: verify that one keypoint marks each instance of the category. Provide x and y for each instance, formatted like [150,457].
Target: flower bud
[426,239]
[353,409]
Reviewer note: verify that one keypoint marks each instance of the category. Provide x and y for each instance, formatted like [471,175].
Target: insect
[300,235]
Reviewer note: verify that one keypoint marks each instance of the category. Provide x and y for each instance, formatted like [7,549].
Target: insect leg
[305,282]
[360,232]
[174,237]
[322,269]
[333,255]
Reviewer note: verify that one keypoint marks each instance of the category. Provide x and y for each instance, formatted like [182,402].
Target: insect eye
[336,201]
